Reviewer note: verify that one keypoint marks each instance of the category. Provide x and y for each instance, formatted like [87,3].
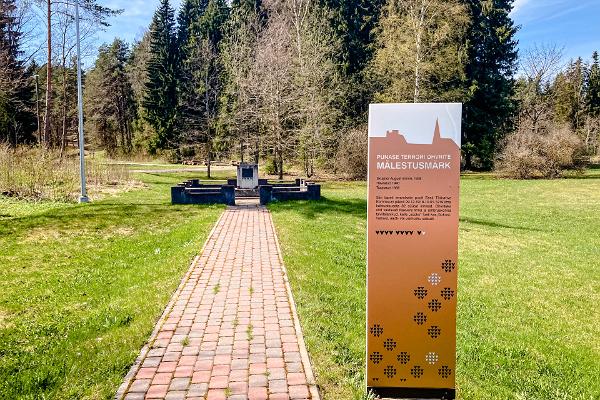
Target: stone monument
[247,176]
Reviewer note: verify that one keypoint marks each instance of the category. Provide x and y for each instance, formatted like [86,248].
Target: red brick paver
[231,330]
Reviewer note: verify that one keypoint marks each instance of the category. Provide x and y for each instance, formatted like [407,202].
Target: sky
[573,25]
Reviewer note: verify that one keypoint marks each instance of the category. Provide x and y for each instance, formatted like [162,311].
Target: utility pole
[48,114]
[37,106]
[83,198]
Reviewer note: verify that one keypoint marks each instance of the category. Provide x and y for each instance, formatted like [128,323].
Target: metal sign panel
[413,211]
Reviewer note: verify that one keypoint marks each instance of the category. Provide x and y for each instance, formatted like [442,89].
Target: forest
[288,83]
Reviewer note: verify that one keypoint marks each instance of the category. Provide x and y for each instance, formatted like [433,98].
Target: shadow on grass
[479,176]
[99,216]
[310,209]
[496,224]
[590,174]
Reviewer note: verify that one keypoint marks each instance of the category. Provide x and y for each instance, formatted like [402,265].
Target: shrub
[352,158]
[270,167]
[528,154]
[43,175]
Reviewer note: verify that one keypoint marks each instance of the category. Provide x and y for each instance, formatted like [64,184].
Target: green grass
[529,287]
[81,287]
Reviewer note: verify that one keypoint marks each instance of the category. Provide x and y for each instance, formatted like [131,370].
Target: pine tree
[420,51]
[110,99]
[199,102]
[160,103]
[355,23]
[492,58]
[17,121]
[568,90]
[190,12]
[593,87]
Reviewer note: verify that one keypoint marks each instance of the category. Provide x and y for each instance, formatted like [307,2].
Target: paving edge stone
[310,377]
[128,380]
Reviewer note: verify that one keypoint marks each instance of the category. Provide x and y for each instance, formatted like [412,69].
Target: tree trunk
[241,151]
[63,140]
[468,161]
[280,167]
[257,150]
[418,54]
[209,158]
[47,122]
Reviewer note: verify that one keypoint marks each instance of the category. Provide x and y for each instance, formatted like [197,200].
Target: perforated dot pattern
[390,371]
[445,372]
[421,292]
[376,357]
[389,344]
[434,332]
[448,265]
[434,279]
[376,330]
[434,305]
[403,358]
[447,293]
[420,318]
[416,371]
[432,358]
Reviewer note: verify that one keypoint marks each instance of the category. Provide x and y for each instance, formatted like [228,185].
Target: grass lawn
[529,320]
[81,287]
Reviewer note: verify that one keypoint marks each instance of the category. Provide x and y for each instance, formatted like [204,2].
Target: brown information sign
[414,171]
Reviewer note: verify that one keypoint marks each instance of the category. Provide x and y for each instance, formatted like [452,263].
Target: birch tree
[421,50]
[273,88]
[316,79]
[91,11]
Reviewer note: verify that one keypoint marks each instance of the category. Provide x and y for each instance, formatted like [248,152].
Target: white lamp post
[83,198]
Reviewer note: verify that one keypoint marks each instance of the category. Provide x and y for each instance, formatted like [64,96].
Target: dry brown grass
[38,174]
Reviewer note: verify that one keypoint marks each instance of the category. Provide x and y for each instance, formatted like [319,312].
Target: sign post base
[408,393]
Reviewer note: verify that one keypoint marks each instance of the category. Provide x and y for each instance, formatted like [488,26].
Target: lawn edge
[128,380]
[312,383]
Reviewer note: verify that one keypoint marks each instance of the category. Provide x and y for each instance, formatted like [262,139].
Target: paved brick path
[231,330]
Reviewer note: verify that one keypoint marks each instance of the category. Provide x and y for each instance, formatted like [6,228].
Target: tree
[593,87]
[491,64]
[238,117]
[64,110]
[568,90]
[137,75]
[420,53]
[111,107]
[273,87]
[539,66]
[190,12]
[592,106]
[316,82]
[90,10]
[354,23]
[160,101]
[17,122]
[204,66]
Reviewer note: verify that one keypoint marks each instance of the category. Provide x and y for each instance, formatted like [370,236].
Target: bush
[270,167]
[42,175]
[352,158]
[529,155]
